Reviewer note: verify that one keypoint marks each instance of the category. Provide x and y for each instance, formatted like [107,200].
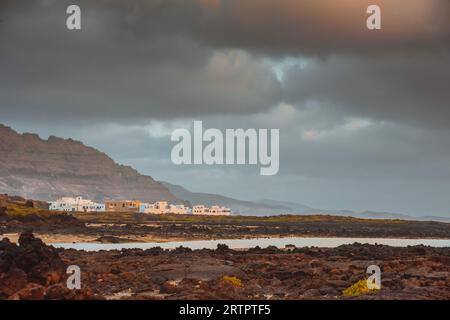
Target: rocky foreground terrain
[32,270]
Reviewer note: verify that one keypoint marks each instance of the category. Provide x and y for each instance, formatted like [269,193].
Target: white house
[199,209]
[213,211]
[77,204]
[146,208]
[162,207]
[219,211]
[178,209]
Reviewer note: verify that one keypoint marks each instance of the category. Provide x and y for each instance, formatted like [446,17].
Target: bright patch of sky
[280,67]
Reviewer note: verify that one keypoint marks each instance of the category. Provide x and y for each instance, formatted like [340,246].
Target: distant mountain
[273,207]
[399,216]
[40,169]
[289,206]
[375,215]
[256,208]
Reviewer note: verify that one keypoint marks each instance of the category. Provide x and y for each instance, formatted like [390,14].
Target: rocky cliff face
[47,169]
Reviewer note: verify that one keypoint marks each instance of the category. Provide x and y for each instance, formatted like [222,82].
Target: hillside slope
[40,169]
[273,207]
[256,208]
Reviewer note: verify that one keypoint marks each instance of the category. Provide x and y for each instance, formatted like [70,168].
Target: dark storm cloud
[320,27]
[145,59]
[287,27]
[108,71]
[411,89]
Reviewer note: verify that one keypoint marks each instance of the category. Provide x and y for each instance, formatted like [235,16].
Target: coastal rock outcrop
[32,270]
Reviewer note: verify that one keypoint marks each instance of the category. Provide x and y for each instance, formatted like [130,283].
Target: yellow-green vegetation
[129,217]
[17,208]
[234,281]
[357,289]
[20,211]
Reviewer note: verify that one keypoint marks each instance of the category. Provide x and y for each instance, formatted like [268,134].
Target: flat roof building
[122,205]
[77,204]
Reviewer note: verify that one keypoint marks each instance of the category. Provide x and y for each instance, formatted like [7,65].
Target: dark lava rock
[154,251]
[182,249]
[41,263]
[222,248]
[26,269]
[158,279]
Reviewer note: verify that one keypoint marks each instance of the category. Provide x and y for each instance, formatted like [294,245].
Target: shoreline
[142,240]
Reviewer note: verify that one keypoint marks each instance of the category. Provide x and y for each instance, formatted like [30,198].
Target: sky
[364,116]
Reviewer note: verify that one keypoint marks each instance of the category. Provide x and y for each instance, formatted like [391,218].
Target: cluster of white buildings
[79,204]
[163,207]
[212,211]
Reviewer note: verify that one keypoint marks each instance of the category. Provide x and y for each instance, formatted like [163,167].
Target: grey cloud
[138,59]
[406,89]
[107,72]
[287,27]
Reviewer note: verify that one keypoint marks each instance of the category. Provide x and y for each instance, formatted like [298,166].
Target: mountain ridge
[41,169]
[267,207]
[209,199]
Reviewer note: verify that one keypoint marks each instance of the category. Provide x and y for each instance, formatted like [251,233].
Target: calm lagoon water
[250,243]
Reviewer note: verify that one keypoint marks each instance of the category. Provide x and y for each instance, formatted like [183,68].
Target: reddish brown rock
[26,268]
[169,287]
[41,263]
[312,274]
[31,292]
[11,282]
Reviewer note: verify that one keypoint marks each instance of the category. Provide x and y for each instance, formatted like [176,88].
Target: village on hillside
[78,204]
